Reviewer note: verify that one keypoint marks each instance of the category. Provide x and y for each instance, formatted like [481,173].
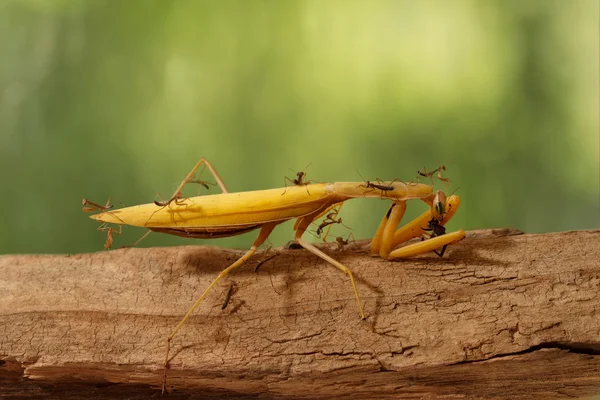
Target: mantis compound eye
[439,205]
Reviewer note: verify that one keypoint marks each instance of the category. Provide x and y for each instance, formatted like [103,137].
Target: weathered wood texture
[504,315]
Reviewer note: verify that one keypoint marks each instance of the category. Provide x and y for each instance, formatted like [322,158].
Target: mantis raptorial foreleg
[376,242]
[190,176]
[427,245]
[262,236]
[415,227]
[387,237]
[394,216]
[304,223]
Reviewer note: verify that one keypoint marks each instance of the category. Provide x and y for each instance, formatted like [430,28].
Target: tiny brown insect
[90,206]
[430,174]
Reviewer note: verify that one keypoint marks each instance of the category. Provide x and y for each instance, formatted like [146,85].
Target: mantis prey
[229,214]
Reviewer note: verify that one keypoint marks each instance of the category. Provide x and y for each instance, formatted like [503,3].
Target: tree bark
[502,315]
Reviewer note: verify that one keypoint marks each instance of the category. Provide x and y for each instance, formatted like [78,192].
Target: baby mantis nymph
[229,214]
[328,221]
[265,259]
[300,180]
[379,185]
[109,234]
[228,295]
[429,175]
[341,242]
[89,206]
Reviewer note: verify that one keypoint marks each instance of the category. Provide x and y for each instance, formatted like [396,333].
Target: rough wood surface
[503,315]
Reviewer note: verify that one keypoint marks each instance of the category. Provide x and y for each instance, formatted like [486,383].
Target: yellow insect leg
[388,232]
[376,242]
[264,233]
[190,175]
[302,227]
[412,229]
[382,242]
[415,227]
[427,245]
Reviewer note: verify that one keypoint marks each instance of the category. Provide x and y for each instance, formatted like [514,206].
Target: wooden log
[503,315]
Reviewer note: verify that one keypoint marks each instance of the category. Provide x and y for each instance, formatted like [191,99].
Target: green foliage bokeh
[121,98]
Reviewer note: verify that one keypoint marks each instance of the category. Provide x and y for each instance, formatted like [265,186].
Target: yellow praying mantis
[230,214]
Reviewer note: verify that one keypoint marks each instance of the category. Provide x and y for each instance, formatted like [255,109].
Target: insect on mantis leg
[262,236]
[412,229]
[326,211]
[416,227]
[299,231]
[427,245]
[190,176]
[337,212]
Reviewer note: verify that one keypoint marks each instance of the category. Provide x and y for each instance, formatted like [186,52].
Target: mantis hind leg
[190,176]
[305,222]
[262,236]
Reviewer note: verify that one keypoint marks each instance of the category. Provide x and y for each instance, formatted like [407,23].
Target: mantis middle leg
[301,227]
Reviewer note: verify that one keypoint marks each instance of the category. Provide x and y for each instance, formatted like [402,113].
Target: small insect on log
[264,260]
[232,288]
[292,245]
[342,243]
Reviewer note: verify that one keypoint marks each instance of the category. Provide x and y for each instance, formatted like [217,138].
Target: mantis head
[438,209]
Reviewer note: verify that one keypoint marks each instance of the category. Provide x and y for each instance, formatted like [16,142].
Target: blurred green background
[121,98]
